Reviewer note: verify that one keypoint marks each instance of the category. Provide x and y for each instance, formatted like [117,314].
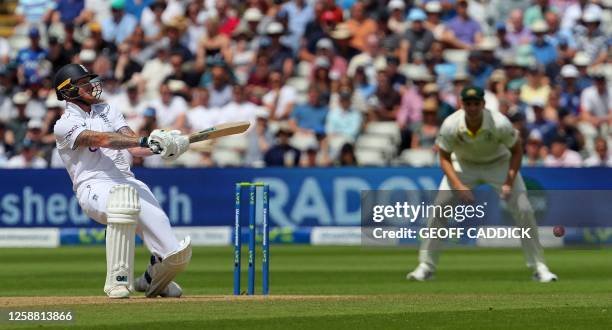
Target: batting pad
[164,272]
[122,214]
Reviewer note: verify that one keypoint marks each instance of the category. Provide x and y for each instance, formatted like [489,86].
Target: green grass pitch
[321,287]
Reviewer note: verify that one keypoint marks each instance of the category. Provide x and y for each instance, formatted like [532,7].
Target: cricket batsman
[94,142]
[480,146]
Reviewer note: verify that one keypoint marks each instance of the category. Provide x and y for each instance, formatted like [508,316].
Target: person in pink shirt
[561,156]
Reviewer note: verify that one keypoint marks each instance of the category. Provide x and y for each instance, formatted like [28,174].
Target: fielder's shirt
[86,163]
[491,143]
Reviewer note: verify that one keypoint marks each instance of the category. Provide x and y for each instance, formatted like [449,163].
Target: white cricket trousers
[153,223]
[494,174]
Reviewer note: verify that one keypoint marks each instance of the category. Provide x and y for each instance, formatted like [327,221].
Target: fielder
[485,148]
[94,142]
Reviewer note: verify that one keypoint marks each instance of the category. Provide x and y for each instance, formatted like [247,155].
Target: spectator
[344,120]
[360,26]
[325,49]
[545,127]
[443,109]
[561,156]
[220,88]
[396,22]
[535,152]
[570,94]
[590,38]
[6,150]
[53,114]
[280,100]
[537,11]
[582,61]
[151,21]
[239,108]
[544,52]
[537,87]
[517,33]
[97,41]
[242,54]
[170,109]
[18,125]
[398,79]
[120,25]
[190,77]
[368,59]
[424,134]
[342,36]
[478,70]
[260,138]
[465,28]
[299,13]
[201,116]
[601,157]
[347,156]
[214,45]
[131,103]
[309,118]
[417,40]
[574,12]
[280,56]
[321,77]
[28,59]
[282,154]
[385,102]
[70,11]
[27,157]
[57,54]
[34,12]
[126,65]
[557,36]
[596,101]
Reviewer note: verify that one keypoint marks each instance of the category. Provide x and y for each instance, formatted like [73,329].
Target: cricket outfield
[320,287]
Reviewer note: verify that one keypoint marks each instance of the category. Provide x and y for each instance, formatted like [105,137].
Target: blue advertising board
[204,197]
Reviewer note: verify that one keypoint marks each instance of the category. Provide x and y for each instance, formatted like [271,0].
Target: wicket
[252,237]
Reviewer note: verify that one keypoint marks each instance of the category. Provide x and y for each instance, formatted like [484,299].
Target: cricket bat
[220,130]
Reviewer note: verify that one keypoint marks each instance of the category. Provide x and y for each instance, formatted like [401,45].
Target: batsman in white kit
[478,146]
[94,142]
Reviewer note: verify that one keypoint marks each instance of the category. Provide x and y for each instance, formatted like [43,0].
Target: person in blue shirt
[310,117]
[119,25]
[478,70]
[544,52]
[29,58]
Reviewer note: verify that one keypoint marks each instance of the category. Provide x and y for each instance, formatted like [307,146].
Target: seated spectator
[602,156]
[417,39]
[325,49]
[309,118]
[397,78]
[321,79]
[299,13]
[463,26]
[596,101]
[346,156]
[130,103]
[371,57]
[282,154]
[120,25]
[240,108]
[361,83]
[6,150]
[18,125]
[424,134]
[360,26]
[545,127]
[591,39]
[29,58]
[561,156]
[214,45]
[344,120]
[220,88]
[535,152]
[260,139]
[385,102]
[537,86]
[27,157]
[280,100]
[242,54]
[170,108]
[280,56]
[576,11]
[544,52]
[396,22]
[570,94]
[201,116]
[478,70]
[55,108]
[342,37]
[443,109]
[517,33]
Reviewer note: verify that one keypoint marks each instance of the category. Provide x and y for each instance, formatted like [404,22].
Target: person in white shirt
[27,158]
[280,100]
[479,146]
[95,144]
[601,157]
[170,109]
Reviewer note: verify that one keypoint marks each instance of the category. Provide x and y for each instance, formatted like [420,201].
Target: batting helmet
[66,78]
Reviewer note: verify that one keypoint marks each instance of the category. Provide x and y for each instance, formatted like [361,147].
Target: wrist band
[143,141]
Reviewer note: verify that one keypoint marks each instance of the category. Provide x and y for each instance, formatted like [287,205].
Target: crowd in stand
[323,82]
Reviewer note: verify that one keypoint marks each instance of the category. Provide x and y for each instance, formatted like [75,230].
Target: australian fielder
[94,142]
[485,149]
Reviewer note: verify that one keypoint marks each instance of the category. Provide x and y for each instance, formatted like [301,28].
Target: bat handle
[155,147]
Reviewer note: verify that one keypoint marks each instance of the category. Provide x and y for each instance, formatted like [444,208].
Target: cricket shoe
[421,273]
[141,284]
[119,292]
[544,275]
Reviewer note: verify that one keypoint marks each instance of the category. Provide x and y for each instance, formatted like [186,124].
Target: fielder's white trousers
[494,174]
[153,223]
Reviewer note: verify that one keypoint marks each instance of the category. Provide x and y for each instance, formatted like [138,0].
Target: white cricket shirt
[86,163]
[489,144]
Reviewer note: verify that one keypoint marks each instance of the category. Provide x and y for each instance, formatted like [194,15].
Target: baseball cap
[472,93]
[149,112]
[417,14]
[34,33]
